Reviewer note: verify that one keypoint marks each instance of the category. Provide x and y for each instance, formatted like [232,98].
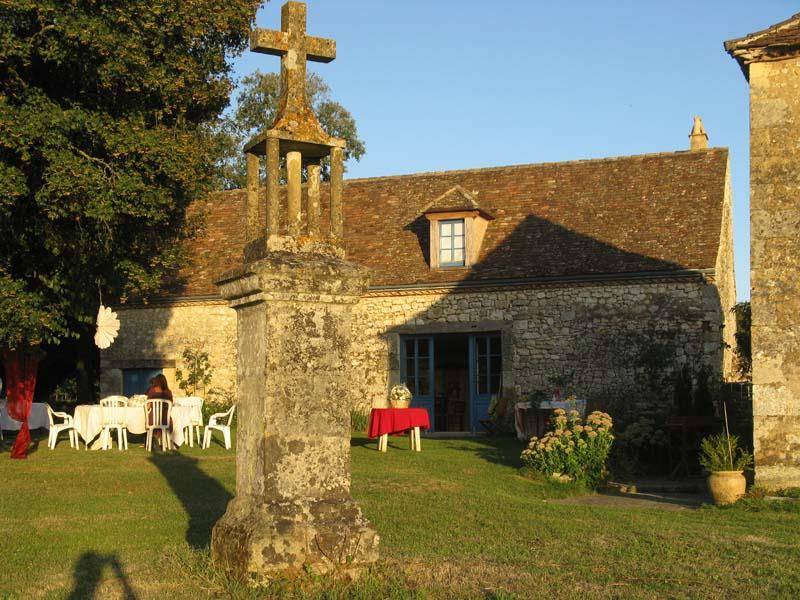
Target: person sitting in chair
[158,390]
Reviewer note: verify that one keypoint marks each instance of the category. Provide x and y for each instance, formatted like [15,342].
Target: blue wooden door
[485,359]
[416,371]
[136,381]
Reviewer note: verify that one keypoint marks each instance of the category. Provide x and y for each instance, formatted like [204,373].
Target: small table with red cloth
[384,422]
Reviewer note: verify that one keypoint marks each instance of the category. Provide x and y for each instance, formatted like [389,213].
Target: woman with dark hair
[158,390]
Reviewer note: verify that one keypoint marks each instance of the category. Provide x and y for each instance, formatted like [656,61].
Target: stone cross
[295,48]
[294,298]
[297,136]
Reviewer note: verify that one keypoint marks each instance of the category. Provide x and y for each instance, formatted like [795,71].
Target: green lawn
[456,520]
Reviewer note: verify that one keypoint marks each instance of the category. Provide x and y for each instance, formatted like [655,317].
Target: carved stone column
[337,174]
[313,206]
[293,507]
[294,191]
[273,187]
[252,228]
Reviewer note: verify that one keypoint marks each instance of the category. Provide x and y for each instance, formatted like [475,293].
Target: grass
[456,520]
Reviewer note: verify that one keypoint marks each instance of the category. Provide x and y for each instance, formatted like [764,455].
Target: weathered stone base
[265,541]
[777,451]
[293,510]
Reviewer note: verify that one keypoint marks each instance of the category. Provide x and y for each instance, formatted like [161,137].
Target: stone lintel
[291,142]
[140,363]
[291,272]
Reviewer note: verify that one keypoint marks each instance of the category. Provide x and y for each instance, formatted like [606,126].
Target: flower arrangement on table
[400,396]
[574,450]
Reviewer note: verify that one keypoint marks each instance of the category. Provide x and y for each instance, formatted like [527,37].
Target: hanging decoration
[20,367]
[107,327]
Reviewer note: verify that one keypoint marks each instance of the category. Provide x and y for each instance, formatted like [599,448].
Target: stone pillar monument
[293,297]
[770,59]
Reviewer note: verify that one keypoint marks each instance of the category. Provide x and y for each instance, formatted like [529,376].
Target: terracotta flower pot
[727,486]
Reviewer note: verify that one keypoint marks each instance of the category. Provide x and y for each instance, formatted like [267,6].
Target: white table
[37,418]
[89,422]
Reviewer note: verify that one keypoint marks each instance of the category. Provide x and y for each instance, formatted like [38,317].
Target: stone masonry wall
[775,265]
[155,337]
[726,280]
[592,330]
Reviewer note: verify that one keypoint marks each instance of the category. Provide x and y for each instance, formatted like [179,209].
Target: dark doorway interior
[451,360]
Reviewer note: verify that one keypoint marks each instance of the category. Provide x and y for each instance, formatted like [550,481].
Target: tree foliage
[743,352]
[257,104]
[197,371]
[105,140]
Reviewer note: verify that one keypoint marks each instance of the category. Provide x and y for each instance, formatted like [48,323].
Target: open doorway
[452,393]
[454,376]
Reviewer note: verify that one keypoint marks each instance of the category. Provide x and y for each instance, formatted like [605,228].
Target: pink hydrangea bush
[574,450]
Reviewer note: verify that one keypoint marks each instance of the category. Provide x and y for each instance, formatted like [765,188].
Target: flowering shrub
[574,450]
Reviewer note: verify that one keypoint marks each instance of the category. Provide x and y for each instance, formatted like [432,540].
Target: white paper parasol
[107,327]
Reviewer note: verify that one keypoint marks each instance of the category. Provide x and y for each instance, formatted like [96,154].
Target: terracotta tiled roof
[658,212]
[773,43]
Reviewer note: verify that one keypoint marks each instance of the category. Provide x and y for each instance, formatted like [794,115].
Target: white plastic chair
[55,428]
[196,423]
[113,411]
[156,417]
[214,423]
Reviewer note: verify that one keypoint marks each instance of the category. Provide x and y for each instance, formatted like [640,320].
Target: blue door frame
[485,372]
[418,372]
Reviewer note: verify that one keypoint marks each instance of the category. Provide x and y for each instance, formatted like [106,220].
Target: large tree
[256,105]
[106,109]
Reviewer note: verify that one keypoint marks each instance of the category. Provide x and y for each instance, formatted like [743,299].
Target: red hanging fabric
[20,367]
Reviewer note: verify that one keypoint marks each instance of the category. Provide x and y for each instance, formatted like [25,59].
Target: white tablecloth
[36,419]
[196,404]
[89,422]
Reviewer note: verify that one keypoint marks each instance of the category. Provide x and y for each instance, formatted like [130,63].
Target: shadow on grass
[496,450]
[204,498]
[88,574]
[38,436]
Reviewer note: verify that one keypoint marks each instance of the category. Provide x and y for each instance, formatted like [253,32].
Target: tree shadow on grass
[38,436]
[88,574]
[496,450]
[204,498]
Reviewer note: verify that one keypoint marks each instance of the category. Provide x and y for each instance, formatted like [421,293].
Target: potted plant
[721,455]
[400,396]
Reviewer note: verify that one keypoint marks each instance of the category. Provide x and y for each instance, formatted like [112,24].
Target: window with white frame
[452,243]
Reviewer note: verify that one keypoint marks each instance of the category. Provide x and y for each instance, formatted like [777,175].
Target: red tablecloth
[397,420]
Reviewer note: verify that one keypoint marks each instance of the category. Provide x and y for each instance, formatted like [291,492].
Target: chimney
[698,139]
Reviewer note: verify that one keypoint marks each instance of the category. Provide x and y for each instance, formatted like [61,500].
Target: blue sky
[448,84]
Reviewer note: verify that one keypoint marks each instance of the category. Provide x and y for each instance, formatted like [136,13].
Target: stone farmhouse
[497,280]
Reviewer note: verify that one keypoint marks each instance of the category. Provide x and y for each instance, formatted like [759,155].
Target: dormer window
[452,243]
[457,227]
